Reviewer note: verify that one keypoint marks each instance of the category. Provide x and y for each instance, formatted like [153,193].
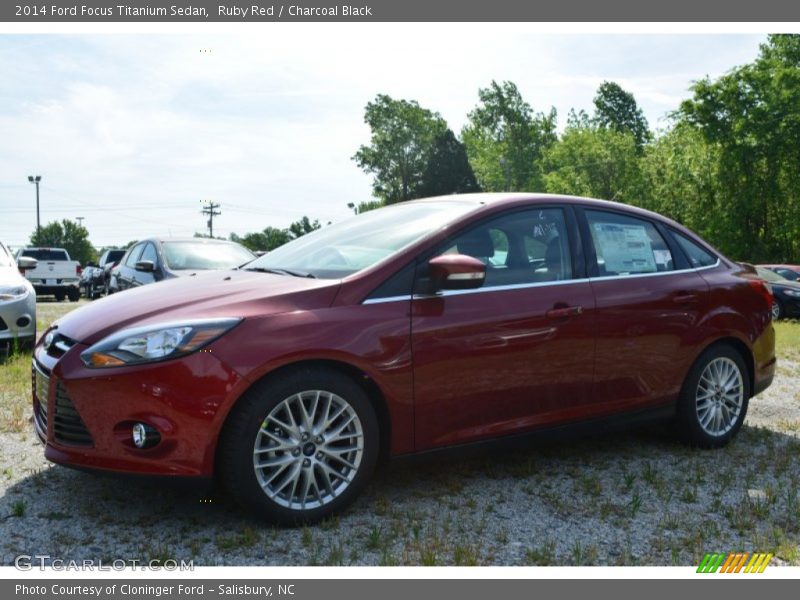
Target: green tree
[595,162]
[751,115]
[505,139]
[363,207]
[302,227]
[402,135]
[615,108]
[448,170]
[263,241]
[71,236]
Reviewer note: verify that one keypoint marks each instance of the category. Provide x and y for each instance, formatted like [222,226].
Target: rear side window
[627,245]
[46,254]
[698,257]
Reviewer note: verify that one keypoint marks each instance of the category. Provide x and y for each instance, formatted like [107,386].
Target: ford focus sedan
[422,325]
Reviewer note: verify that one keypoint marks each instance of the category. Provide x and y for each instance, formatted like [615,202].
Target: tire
[281,491]
[778,312]
[74,294]
[60,295]
[708,415]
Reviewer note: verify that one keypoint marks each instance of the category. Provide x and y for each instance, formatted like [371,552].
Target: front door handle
[563,313]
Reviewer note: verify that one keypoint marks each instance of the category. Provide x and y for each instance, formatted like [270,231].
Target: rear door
[516,353]
[649,299]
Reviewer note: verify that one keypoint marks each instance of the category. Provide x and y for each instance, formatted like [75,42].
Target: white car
[17,302]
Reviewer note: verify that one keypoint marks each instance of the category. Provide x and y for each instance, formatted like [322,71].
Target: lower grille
[68,427]
[41,386]
[3,325]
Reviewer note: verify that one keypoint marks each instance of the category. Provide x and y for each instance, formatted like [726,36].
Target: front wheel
[300,447]
[714,399]
[777,310]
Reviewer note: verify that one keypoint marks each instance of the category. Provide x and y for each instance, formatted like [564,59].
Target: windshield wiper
[291,272]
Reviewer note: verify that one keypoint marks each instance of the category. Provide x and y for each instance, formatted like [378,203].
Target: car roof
[161,240]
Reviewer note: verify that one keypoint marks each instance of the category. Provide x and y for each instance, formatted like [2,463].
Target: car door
[516,353]
[648,303]
[127,269]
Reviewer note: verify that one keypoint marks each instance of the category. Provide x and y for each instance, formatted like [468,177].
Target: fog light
[144,435]
[23,321]
[139,434]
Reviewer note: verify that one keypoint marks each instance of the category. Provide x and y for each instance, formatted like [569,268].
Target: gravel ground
[634,498]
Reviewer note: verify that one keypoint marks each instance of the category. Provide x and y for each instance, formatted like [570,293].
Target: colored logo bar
[735,562]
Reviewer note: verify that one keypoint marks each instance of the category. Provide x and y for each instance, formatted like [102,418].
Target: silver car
[17,302]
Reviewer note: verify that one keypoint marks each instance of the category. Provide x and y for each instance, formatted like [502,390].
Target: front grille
[41,385]
[68,427]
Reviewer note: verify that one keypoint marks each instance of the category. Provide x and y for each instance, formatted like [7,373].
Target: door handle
[684,298]
[565,312]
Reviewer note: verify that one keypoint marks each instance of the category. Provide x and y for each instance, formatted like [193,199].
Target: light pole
[80,220]
[36,179]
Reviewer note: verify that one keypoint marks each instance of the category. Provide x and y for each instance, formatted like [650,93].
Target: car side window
[149,253]
[521,247]
[133,257]
[626,245]
[698,257]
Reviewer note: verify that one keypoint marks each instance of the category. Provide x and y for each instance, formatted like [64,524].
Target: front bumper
[18,319]
[85,416]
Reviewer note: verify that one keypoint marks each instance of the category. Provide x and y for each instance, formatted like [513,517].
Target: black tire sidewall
[781,311]
[687,409]
[235,458]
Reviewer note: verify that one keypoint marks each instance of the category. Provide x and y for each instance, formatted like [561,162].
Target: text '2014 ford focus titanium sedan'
[417,326]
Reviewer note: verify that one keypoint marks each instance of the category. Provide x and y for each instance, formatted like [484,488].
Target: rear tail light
[78,269]
[763,289]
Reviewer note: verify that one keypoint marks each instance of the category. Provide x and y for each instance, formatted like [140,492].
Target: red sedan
[417,326]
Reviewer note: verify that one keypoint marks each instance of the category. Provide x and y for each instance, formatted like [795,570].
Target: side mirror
[145,266]
[456,272]
[24,263]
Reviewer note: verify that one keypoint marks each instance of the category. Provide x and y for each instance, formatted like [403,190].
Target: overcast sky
[131,132]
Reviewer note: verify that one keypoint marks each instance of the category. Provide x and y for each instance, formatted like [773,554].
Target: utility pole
[210,209]
[36,179]
[80,220]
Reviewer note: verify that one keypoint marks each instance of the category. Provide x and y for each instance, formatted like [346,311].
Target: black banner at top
[180,11]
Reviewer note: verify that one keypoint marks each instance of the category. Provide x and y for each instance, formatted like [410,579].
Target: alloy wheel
[308,450]
[719,397]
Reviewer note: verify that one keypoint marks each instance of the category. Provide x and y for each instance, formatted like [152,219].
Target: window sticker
[625,248]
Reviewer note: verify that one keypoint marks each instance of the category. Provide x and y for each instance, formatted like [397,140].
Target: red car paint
[442,369]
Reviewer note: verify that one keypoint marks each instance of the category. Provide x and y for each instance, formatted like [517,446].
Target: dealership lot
[635,498]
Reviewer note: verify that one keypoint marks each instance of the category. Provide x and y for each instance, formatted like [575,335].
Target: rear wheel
[60,295]
[301,447]
[714,399]
[777,310]
[74,294]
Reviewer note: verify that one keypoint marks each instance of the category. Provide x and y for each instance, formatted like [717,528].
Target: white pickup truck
[55,274]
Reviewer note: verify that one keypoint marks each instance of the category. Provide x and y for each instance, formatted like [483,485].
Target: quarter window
[698,257]
[522,247]
[626,245]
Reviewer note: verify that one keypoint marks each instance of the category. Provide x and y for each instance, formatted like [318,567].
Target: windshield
[768,275]
[362,241]
[200,256]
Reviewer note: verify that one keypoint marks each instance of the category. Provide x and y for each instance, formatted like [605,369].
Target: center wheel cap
[309,449]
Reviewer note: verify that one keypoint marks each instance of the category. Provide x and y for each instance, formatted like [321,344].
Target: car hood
[207,295]
[789,285]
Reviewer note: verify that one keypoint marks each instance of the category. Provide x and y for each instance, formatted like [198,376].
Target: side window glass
[698,257]
[149,253]
[627,246]
[522,247]
[133,257]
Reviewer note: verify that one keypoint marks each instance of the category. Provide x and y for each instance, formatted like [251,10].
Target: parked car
[400,331]
[786,294]
[157,259]
[55,273]
[790,272]
[96,276]
[17,302]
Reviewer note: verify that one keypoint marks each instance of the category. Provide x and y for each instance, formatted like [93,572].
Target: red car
[421,325]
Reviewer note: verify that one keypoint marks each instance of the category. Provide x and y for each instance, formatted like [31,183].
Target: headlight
[154,343]
[12,293]
[792,293]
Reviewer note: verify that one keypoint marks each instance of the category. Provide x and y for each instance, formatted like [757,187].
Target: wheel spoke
[719,396]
